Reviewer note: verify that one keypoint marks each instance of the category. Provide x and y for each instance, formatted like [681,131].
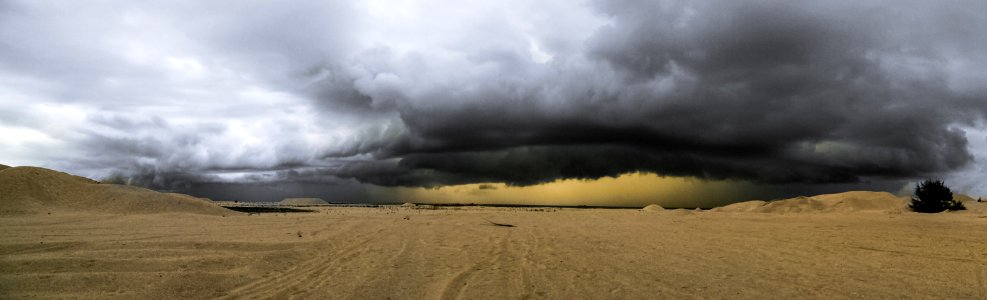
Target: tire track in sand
[332,268]
[528,258]
[978,270]
[455,288]
[266,288]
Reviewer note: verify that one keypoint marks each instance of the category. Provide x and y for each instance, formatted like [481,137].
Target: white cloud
[972,179]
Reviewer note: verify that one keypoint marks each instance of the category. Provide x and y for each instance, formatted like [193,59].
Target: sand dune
[964,198]
[303,201]
[31,190]
[972,206]
[653,207]
[856,201]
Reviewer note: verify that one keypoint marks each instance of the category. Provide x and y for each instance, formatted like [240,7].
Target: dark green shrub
[932,196]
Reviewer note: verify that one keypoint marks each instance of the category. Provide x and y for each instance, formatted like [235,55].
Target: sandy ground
[406,253]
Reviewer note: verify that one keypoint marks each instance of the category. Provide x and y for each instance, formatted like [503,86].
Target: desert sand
[815,247]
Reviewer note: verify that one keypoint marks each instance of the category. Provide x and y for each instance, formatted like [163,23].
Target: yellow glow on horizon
[632,189]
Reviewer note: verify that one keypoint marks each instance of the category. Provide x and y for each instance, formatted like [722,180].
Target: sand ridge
[964,198]
[855,201]
[32,190]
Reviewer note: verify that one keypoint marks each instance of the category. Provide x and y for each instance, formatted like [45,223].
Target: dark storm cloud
[768,91]
[182,95]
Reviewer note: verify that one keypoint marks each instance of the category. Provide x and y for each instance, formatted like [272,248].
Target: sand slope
[856,201]
[972,206]
[964,198]
[31,190]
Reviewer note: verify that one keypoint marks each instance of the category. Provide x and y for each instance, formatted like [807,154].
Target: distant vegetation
[932,196]
[116,178]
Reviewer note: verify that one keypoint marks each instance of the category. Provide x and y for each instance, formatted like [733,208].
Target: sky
[682,103]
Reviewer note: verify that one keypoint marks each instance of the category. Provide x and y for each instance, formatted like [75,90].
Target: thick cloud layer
[772,92]
[189,94]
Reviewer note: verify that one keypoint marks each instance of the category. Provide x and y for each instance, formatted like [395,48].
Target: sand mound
[31,190]
[408,204]
[971,204]
[747,206]
[653,207]
[975,207]
[303,201]
[963,198]
[843,202]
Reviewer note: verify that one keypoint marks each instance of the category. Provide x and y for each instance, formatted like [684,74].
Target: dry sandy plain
[811,251]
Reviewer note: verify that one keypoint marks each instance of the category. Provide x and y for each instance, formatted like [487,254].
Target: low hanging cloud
[184,95]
